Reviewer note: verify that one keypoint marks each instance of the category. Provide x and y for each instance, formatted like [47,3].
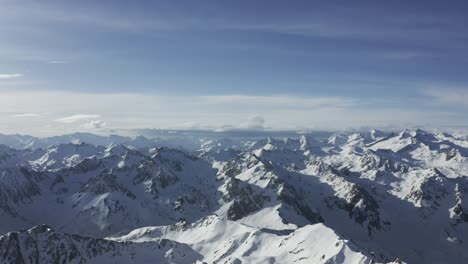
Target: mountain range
[368,197]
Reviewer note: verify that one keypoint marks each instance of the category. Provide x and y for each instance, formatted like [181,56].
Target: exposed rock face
[244,199]
[42,244]
[361,207]
[460,213]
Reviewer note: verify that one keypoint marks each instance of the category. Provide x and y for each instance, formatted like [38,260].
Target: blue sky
[232,64]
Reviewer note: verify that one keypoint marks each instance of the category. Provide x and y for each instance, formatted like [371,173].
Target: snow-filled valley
[369,197]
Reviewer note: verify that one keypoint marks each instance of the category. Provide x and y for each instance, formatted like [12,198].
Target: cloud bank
[63,112]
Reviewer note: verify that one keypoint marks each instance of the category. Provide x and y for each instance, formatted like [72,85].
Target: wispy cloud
[10,76]
[452,96]
[280,100]
[26,115]
[323,23]
[91,17]
[57,62]
[76,118]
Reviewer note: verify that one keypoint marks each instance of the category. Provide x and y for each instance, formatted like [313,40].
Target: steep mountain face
[352,198]
[42,244]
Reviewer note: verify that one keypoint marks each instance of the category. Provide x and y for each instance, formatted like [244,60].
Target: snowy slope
[351,198]
[224,241]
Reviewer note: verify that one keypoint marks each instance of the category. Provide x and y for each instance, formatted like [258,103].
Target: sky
[109,66]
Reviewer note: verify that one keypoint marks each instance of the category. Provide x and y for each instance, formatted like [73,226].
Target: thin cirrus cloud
[57,62]
[451,96]
[320,24]
[280,100]
[10,76]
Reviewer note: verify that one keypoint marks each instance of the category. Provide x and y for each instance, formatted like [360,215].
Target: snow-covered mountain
[371,197]
[42,244]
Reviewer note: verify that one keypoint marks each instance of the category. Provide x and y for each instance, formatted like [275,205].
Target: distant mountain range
[372,197]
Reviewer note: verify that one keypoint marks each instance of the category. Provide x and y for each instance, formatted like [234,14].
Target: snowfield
[371,197]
